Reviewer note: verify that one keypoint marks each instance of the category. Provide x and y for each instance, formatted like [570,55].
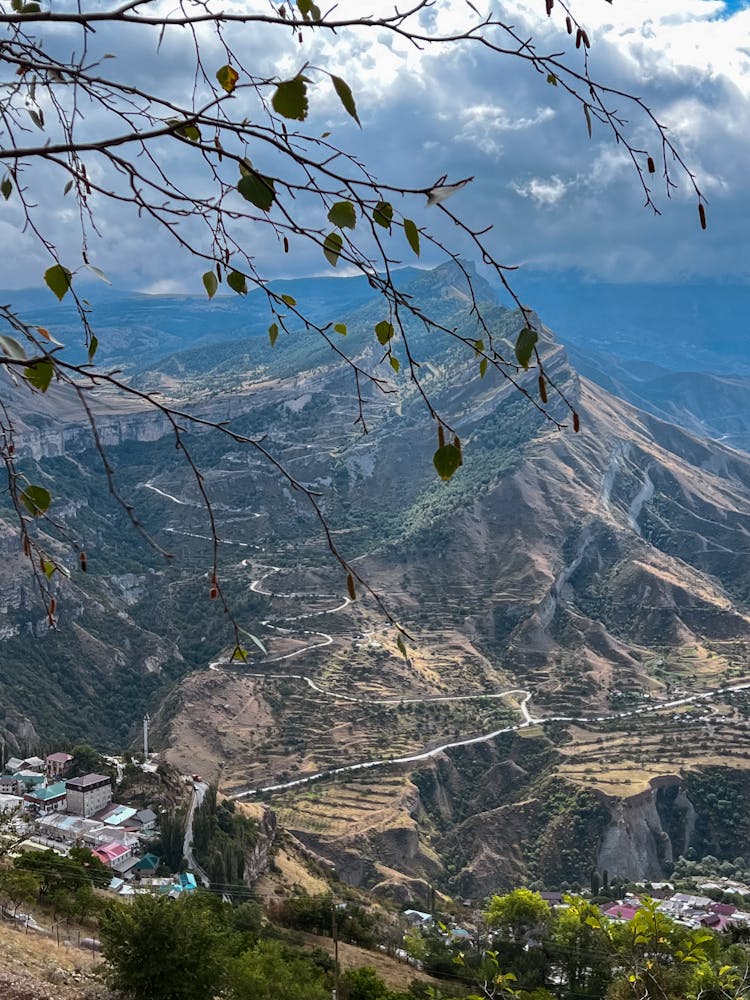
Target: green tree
[86,760]
[595,882]
[580,944]
[415,945]
[269,971]
[658,956]
[20,887]
[247,918]
[60,876]
[163,949]
[518,915]
[172,827]
[363,984]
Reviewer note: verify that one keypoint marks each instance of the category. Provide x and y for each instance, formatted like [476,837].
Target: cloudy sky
[557,200]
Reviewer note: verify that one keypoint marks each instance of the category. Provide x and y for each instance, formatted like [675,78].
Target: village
[47,807]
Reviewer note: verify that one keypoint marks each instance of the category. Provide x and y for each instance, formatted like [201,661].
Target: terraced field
[300,731]
[622,760]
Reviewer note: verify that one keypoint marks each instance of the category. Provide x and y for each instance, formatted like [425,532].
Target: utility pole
[146,721]
[335,936]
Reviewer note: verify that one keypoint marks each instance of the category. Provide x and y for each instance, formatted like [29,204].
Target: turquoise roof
[29,778]
[119,815]
[148,861]
[49,791]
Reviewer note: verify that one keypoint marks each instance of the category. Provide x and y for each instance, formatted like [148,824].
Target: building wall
[57,768]
[85,803]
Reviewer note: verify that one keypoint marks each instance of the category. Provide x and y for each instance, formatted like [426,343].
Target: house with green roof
[147,865]
[46,798]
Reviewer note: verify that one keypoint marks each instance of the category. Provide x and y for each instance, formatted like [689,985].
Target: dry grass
[63,971]
[292,871]
[396,975]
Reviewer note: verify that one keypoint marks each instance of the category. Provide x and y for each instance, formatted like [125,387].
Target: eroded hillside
[596,578]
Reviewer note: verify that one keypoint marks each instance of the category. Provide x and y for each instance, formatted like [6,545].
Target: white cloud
[542,190]
[556,198]
[165,286]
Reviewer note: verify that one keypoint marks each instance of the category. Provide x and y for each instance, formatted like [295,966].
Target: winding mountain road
[196,798]
[527,719]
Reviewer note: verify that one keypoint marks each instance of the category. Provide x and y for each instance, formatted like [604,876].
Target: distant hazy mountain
[679,351]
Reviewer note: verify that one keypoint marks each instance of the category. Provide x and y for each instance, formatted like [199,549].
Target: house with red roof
[109,853]
[57,765]
[622,911]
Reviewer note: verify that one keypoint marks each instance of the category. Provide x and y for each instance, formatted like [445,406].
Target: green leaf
[40,374]
[37,117]
[289,300]
[48,568]
[58,280]
[342,214]
[446,460]
[384,331]
[478,347]
[191,132]
[309,10]
[6,187]
[332,248]
[343,89]
[238,653]
[227,77]
[257,642]
[525,343]
[401,646]
[273,333]
[483,367]
[36,500]
[93,344]
[237,282]
[340,328]
[12,349]
[551,78]
[383,214]
[257,189]
[395,364]
[290,99]
[412,235]
[210,283]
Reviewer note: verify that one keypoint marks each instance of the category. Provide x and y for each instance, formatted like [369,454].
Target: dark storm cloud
[555,198]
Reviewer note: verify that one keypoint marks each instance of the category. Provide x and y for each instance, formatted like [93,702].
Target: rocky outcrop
[635,843]
[258,859]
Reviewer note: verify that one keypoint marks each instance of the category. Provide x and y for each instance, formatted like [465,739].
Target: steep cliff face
[258,859]
[477,821]
[635,843]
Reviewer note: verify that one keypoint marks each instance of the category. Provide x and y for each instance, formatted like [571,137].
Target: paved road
[525,697]
[197,795]
[528,720]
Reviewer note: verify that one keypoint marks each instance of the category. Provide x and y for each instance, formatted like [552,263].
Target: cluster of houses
[64,811]
[691,910]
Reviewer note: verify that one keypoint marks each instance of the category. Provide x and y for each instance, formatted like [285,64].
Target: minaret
[146,720]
